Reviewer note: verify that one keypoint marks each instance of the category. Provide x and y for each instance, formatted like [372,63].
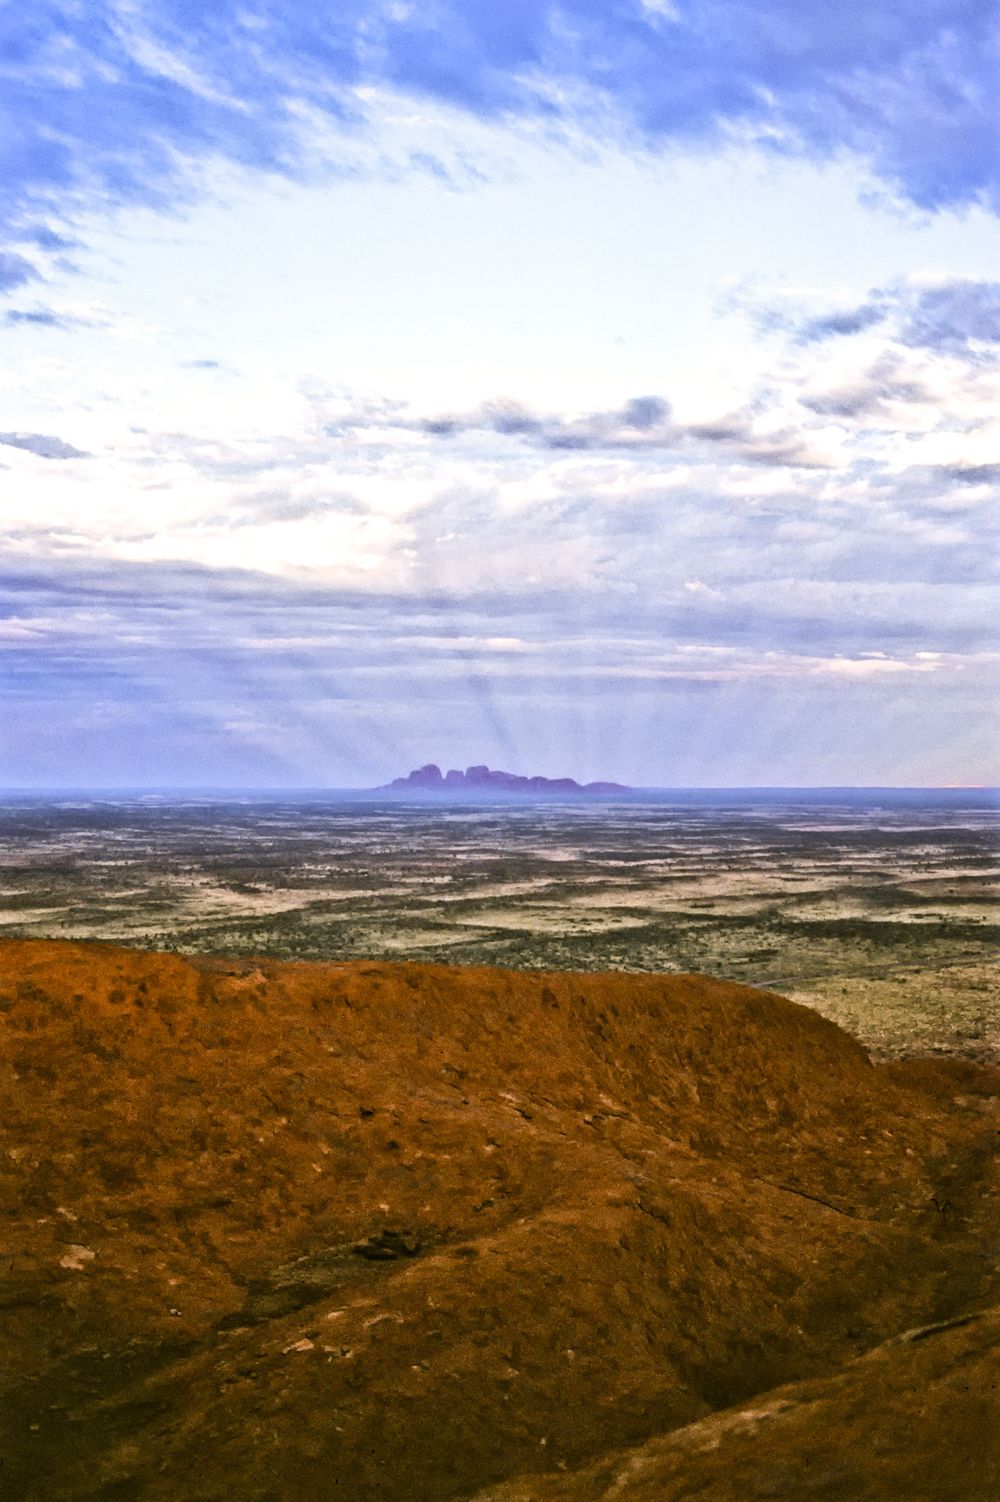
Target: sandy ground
[886,921]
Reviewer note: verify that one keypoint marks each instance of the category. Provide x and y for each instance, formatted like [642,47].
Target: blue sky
[605,389]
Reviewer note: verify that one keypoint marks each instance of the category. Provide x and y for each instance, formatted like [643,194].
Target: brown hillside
[292,1232]
[914,1419]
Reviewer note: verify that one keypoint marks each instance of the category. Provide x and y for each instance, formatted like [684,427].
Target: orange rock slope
[290,1232]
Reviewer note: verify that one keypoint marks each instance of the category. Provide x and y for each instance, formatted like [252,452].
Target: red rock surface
[914,1419]
[289,1232]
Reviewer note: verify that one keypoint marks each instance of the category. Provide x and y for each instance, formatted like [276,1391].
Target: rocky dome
[482,780]
[288,1232]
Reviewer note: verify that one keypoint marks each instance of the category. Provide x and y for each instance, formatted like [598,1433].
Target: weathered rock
[909,1420]
[387,1246]
[637,1200]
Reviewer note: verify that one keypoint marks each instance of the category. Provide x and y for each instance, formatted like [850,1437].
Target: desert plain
[880,909]
[343,1157]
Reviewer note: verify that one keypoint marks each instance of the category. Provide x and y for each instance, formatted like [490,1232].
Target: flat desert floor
[877,909]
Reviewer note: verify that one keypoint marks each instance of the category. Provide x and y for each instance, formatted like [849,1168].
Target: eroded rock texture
[296,1232]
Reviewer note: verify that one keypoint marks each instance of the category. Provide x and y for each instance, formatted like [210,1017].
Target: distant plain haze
[607,392]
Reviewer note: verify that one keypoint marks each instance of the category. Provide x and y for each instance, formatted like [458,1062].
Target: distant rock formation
[429,779]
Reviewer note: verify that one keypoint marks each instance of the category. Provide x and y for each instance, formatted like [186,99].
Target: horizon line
[747,787]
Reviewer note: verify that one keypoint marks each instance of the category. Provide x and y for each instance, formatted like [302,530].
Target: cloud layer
[321,509]
[123,101]
[158,674]
[802,588]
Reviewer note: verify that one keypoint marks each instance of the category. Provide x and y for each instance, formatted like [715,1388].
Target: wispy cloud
[15,271]
[643,424]
[44,445]
[956,315]
[121,104]
[47,318]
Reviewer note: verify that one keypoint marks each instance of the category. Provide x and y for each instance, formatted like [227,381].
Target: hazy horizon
[498,796]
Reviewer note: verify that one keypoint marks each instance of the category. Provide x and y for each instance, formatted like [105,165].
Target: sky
[607,389]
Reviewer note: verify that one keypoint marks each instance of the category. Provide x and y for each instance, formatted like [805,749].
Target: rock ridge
[484,781]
